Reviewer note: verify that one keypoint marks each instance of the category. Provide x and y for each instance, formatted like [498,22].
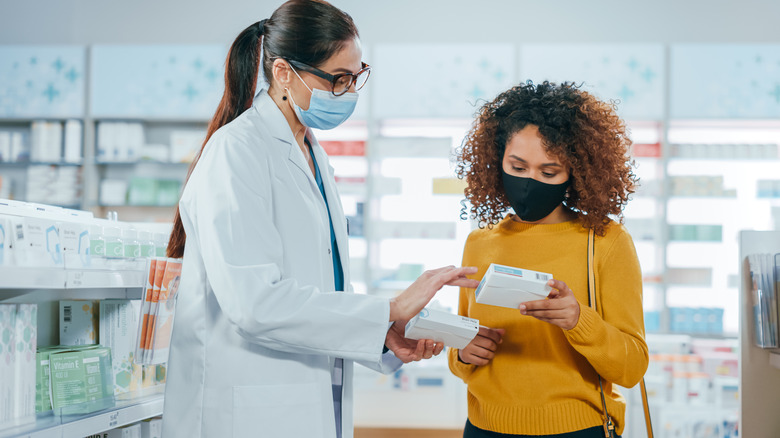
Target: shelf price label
[76,279]
[113,420]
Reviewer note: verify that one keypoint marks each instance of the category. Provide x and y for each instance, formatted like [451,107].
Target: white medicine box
[453,330]
[507,286]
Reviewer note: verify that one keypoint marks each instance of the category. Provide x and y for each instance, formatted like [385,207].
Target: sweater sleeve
[459,368]
[615,343]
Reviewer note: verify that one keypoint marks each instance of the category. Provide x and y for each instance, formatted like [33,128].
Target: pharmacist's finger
[438,271]
[457,277]
[464,282]
[419,351]
[428,351]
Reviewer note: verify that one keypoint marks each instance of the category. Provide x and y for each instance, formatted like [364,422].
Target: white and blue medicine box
[453,330]
[507,286]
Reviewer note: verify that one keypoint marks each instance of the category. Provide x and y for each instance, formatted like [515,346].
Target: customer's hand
[482,348]
[409,350]
[415,297]
[560,308]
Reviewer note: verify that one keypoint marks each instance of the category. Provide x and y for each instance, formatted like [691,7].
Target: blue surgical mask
[326,111]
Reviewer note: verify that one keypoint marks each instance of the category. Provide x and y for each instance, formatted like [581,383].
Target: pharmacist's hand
[561,308]
[482,348]
[409,350]
[411,301]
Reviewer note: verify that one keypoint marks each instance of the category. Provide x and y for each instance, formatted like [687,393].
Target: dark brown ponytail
[308,31]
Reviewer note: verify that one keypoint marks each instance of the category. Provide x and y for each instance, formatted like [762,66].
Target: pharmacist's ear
[282,73]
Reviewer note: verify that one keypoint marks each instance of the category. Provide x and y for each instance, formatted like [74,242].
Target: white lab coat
[258,325]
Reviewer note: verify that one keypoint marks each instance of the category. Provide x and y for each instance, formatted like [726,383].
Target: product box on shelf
[81,379]
[26,335]
[5,240]
[118,322]
[74,237]
[151,428]
[131,431]
[453,330]
[36,242]
[7,361]
[43,379]
[507,286]
[153,375]
[78,322]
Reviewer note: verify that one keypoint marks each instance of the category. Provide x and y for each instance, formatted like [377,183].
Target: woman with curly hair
[559,158]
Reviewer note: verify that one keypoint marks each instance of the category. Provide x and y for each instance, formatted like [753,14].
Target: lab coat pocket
[292,410]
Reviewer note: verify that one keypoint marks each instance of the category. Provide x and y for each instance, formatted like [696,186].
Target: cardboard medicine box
[79,322]
[507,286]
[81,379]
[453,330]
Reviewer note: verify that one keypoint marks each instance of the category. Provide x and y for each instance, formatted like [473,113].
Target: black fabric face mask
[533,200]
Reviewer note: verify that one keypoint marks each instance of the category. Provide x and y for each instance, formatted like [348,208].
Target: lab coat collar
[277,126]
[275,123]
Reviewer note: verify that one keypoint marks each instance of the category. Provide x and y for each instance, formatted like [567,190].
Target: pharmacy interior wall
[400,21]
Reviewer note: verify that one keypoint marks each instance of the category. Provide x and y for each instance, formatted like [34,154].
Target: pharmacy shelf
[72,426]
[14,278]
[142,119]
[85,279]
[140,162]
[38,163]
[16,120]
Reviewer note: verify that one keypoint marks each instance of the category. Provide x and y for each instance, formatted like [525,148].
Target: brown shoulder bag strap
[609,428]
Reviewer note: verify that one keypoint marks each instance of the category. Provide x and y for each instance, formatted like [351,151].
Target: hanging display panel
[157,81]
[630,74]
[42,81]
[733,81]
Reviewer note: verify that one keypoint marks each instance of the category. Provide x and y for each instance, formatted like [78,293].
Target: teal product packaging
[42,381]
[118,331]
[26,341]
[5,240]
[7,361]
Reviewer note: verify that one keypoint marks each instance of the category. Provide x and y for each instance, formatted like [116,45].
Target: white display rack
[78,426]
[60,278]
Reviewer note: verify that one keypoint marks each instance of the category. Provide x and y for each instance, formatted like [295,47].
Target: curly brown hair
[584,133]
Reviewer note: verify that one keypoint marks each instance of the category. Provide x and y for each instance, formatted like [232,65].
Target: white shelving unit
[79,426]
[45,286]
[15,278]
[759,373]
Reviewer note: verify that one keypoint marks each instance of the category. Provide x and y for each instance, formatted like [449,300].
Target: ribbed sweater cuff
[587,328]
[459,368]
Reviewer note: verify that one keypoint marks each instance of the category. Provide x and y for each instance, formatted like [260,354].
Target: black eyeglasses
[340,83]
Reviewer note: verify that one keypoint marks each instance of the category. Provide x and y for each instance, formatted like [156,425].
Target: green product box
[81,380]
[43,375]
[142,191]
[42,380]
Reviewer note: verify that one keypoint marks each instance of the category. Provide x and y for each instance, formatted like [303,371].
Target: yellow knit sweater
[543,379]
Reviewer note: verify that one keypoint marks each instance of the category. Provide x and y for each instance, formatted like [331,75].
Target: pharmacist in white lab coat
[266,327]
